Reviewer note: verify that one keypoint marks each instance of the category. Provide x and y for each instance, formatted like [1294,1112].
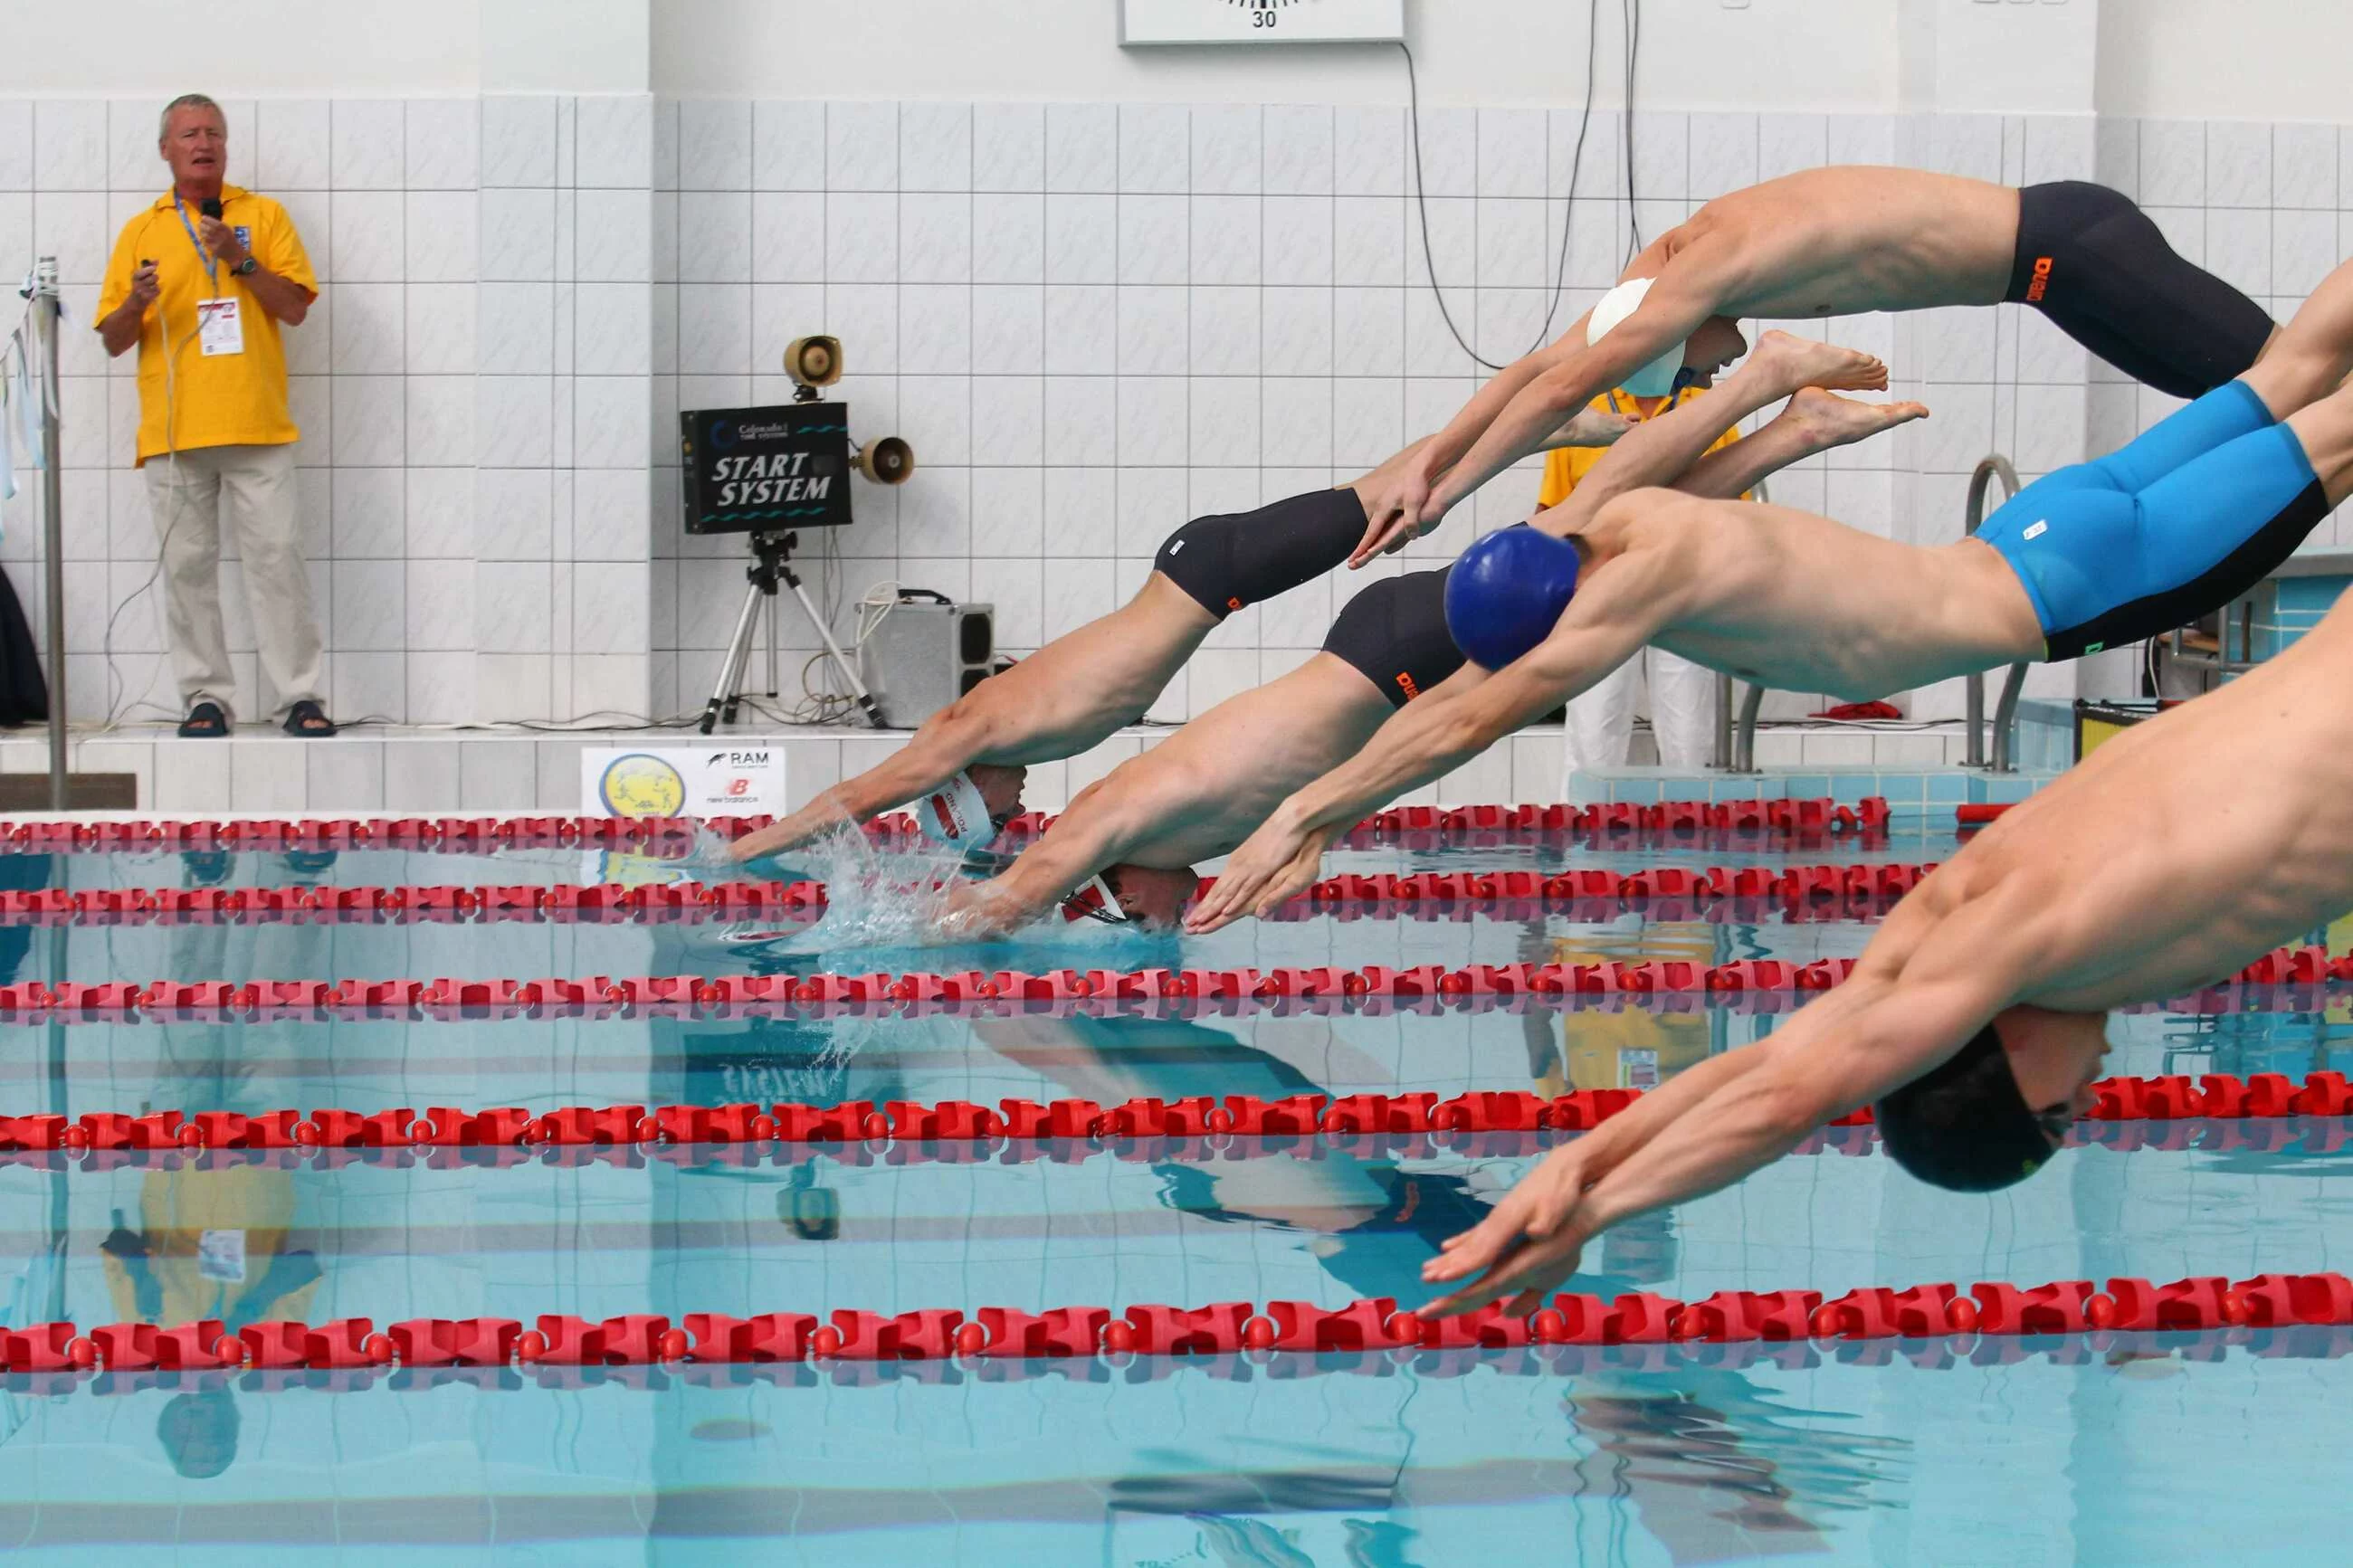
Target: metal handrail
[45,311]
[1736,743]
[2005,714]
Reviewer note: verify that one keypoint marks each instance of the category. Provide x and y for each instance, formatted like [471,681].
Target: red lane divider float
[1937,1310]
[1018,1121]
[2291,975]
[473,834]
[111,1146]
[1746,893]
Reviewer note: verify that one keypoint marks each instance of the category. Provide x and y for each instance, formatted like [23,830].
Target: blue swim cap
[1506,591]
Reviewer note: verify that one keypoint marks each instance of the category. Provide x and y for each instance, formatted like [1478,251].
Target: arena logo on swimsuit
[2042,281]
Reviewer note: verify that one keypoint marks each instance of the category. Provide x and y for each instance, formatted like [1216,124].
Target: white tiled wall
[1093,321]
[380,380]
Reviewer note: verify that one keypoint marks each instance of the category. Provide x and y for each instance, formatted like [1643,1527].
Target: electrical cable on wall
[1577,162]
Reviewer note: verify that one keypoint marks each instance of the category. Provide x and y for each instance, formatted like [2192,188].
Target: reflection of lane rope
[1942,1353]
[1937,1311]
[2300,979]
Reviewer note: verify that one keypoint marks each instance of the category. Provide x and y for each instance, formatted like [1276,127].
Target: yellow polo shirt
[218,400]
[1566,467]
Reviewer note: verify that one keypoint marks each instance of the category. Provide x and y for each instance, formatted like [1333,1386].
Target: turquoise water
[2183,1448]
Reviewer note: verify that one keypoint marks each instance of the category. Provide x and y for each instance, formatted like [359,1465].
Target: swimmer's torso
[1844,240]
[2191,846]
[1878,617]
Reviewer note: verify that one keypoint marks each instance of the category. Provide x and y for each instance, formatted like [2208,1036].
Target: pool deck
[495,769]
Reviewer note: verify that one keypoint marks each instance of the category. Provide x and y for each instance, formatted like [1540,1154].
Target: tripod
[771,562]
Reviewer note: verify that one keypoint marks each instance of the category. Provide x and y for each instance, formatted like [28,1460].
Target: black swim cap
[1964,1125]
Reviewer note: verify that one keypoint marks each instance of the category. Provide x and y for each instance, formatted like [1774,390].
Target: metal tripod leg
[738,660]
[849,671]
[739,651]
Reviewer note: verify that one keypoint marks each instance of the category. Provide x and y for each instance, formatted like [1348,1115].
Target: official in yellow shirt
[1600,729]
[199,282]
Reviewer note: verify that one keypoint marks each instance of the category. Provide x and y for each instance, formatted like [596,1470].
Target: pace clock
[1260,21]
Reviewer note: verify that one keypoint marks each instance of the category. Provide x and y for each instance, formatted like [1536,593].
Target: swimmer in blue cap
[2179,521]
[1840,242]
[1975,1021]
[963,770]
[1127,846]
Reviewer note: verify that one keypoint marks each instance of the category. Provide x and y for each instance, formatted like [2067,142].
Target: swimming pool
[2075,1448]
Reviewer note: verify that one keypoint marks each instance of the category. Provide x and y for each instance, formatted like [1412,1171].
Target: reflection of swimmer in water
[1368,1222]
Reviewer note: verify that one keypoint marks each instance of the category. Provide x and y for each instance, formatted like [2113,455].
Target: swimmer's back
[1850,238]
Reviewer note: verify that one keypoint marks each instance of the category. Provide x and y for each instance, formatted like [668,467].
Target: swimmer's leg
[2308,361]
[2313,354]
[1659,451]
[1815,421]
[2325,431]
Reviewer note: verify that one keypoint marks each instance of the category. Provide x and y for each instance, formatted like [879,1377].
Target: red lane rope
[1203,1117]
[1746,893]
[937,1334]
[1376,988]
[1498,824]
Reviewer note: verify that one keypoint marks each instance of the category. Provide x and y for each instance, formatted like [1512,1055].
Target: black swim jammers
[1394,633]
[2100,269]
[1228,561]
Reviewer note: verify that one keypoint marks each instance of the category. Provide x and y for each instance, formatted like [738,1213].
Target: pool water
[2026,1452]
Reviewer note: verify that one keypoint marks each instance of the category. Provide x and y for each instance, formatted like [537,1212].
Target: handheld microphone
[212,207]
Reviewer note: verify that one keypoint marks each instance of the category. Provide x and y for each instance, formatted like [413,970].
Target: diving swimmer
[1975,1018]
[1843,241]
[965,765]
[2183,519]
[1126,846]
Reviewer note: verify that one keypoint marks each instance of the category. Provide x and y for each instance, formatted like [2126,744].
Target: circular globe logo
[639,784]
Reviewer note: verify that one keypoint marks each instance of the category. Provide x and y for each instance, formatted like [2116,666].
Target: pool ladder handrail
[2005,714]
[1736,741]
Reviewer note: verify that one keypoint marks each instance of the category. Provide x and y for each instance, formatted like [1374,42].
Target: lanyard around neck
[212,262]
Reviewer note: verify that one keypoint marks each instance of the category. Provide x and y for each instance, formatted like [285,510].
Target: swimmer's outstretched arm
[1682,298]
[1841,1052]
[947,742]
[1621,607]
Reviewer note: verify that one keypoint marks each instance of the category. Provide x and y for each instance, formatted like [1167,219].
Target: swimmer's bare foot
[1824,420]
[1785,359]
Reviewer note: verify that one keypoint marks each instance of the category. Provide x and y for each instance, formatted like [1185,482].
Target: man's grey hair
[186,100]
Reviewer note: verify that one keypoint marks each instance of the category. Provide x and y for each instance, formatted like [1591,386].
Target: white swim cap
[1095,901]
[1656,379]
[956,816]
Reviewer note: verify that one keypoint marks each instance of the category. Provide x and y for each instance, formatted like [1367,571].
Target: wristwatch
[247,268]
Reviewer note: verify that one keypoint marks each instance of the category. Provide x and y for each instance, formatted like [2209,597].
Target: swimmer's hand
[1394,499]
[1528,1244]
[980,911]
[1273,864]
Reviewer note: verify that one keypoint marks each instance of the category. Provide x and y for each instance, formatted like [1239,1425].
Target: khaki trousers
[254,486]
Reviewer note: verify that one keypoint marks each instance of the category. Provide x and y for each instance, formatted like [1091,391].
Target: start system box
[765,470]
[924,656]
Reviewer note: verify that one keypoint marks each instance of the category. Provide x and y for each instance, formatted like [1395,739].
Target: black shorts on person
[1230,560]
[1394,633]
[2102,271]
